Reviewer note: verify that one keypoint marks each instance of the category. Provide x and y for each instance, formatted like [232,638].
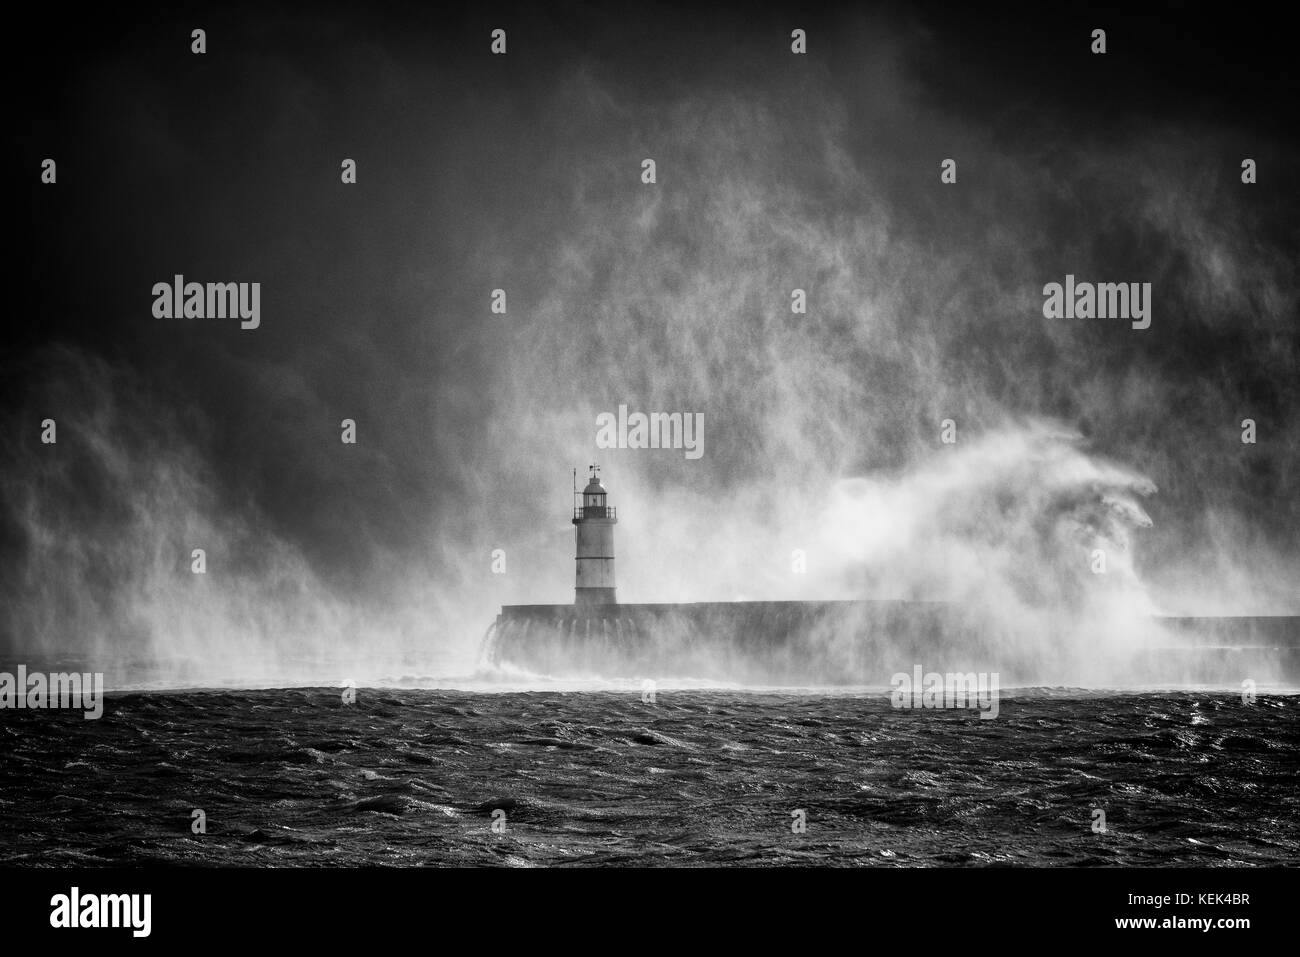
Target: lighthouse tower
[594,523]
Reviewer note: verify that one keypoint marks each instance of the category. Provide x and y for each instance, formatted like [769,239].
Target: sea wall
[838,643]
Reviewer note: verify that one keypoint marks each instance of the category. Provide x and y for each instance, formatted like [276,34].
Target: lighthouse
[593,524]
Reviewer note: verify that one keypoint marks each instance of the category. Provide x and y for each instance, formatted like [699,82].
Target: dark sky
[775,171]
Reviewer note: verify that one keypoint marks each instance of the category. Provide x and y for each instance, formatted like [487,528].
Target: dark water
[295,777]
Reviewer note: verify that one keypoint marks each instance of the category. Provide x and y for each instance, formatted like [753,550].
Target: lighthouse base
[594,596]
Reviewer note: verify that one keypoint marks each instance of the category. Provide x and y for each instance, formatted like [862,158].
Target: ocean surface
[695,777]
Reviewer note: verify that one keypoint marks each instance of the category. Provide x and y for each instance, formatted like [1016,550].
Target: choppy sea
[696,776]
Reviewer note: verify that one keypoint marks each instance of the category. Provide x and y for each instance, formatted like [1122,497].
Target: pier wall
[830,643]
